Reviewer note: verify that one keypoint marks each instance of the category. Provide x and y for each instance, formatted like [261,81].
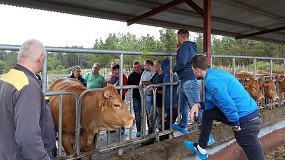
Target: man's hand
[194,111]
[171,72]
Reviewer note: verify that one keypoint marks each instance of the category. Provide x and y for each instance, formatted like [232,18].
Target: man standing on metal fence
[226,101]
[190,86]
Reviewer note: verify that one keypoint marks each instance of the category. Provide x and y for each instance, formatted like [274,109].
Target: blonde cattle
[101,110]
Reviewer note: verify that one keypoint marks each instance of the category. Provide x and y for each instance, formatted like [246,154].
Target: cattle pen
[273,113]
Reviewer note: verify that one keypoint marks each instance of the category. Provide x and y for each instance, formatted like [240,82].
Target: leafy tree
[168,40]
[2,67]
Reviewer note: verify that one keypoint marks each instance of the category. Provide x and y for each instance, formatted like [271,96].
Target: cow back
[68,102]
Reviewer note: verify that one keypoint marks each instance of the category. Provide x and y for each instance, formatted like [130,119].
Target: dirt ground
[277,154]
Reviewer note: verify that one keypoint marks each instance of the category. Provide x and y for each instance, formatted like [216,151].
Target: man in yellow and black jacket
[27,128]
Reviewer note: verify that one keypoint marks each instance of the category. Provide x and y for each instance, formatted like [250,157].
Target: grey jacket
[27,128]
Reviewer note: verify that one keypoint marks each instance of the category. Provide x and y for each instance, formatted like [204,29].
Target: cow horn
[106,94]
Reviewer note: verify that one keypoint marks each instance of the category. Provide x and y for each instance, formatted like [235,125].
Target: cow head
[113,111]
[253,88]
[270,89]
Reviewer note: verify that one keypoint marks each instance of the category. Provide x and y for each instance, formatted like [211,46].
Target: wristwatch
[236,128]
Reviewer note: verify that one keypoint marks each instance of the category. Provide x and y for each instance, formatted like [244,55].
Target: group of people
[27,126]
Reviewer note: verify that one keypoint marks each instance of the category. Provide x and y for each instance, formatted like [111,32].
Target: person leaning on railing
[76,73]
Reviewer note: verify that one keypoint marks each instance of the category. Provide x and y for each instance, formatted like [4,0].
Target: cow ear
[107,94]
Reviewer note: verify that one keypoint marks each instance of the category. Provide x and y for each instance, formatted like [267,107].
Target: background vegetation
[62,62]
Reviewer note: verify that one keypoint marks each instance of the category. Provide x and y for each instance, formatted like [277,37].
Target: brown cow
[101,110]
[253,88]
[270,90]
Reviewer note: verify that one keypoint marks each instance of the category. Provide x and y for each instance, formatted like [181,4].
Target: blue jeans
[137,110]
[247,137]
[148,99]
[189,93]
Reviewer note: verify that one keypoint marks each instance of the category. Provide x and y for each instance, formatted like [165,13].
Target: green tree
[168,40]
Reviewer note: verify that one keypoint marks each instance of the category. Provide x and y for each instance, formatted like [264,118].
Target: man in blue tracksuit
[190,87]
[228,102]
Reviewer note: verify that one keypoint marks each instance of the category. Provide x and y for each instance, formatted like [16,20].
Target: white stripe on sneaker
[201,150]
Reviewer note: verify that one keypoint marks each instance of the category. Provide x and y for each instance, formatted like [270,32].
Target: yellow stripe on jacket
[16,78]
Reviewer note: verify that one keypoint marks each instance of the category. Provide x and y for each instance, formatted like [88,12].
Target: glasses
[95,67]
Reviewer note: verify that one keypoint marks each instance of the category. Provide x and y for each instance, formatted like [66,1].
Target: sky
[61,30]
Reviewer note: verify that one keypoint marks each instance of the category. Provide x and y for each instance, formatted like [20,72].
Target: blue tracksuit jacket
[223,90]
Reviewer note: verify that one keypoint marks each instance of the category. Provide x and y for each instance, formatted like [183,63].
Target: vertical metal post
[154,112]
[271,67]
[234,66]
[171,92]
[121,73]
[207,29]
[143,111]
[163,109]
[254,67]
[44,74]
[131,106]
[78,104]
[60,126]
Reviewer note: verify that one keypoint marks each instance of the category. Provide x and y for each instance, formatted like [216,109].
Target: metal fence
[131,139]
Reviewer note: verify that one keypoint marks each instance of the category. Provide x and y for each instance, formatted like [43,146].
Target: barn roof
[255,19]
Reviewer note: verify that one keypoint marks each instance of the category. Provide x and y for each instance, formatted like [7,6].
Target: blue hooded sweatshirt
[185,54]
[165,66]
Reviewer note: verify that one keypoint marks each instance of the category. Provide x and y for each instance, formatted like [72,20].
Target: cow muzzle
[129,123]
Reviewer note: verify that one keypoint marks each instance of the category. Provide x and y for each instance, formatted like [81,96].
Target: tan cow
[270,89]
[101,110]
[253,88]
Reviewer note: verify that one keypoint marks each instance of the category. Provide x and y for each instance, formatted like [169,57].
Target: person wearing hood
[190,87]
[76,73]
[165,67]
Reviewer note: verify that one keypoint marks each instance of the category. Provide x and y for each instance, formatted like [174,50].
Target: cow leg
[89,144]
[67,145]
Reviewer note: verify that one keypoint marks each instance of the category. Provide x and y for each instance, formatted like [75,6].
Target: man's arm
[27,116]
[181,58]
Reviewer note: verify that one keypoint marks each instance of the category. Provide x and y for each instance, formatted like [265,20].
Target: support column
[207,29]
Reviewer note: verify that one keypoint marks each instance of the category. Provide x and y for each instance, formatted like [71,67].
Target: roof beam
[197,8]
[261,32]
[154,11]
[200,29]
[195,15]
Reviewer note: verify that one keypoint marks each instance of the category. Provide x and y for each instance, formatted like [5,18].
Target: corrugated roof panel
[229,17]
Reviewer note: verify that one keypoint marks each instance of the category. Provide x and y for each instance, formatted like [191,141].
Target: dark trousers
[137,110]
[167,124]
[247,137]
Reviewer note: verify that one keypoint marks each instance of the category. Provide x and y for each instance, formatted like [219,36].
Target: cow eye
[117,105]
